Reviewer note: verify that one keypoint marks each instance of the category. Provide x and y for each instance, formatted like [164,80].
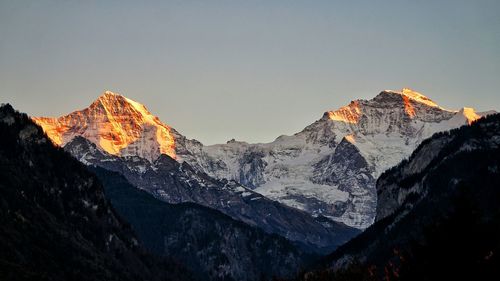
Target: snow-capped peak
[117,125]
[115,101]
[416,96]
[109,93]
[409,102]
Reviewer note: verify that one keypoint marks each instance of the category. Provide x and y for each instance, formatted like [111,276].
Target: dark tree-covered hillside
[56,223]
[210,243]
[437,218]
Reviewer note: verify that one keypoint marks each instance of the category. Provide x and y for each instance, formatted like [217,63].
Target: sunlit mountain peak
[117,125]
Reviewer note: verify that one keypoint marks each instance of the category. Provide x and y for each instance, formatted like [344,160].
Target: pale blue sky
[250,70]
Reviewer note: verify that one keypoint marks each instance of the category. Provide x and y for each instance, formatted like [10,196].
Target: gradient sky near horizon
[250,70]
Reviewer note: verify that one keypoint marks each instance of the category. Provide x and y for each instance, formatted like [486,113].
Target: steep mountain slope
[119,126]
[437,215]
[175,182]
[304,171]
[209,243]
[308,171]
[56,221]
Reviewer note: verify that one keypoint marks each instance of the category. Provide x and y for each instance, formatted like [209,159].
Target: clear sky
[250,70]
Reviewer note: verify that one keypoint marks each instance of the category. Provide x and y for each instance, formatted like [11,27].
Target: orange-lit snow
[470,114]
[114,123]
[408,107]
[348,114]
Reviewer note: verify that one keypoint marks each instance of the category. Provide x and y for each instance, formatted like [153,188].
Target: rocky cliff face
[309,171]
[304,171]
[399,187]
[175,182]
[117,125]
[437,214]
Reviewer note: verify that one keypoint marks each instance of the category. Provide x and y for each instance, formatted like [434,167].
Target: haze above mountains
[249,140]
[191,59]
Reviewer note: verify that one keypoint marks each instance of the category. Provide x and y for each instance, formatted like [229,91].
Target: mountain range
[437,214]
[143,202]
[328,169]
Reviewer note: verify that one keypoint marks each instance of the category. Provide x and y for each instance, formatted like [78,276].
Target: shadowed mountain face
[175,182]
[209,243]
[56,222]
[437,214]
[304,171]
